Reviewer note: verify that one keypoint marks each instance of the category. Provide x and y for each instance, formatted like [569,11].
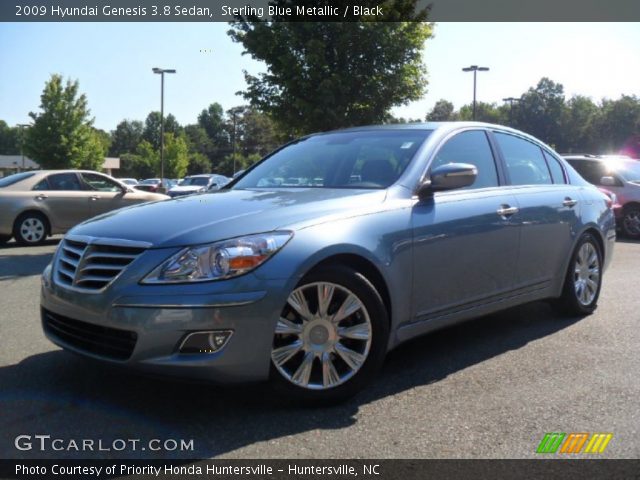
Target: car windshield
[360,159]
[195,181]
[15,178]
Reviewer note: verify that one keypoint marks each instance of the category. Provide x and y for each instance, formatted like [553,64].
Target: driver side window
[470,147]
[100,183]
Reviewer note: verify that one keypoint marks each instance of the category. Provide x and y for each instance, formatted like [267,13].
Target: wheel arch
[366,268]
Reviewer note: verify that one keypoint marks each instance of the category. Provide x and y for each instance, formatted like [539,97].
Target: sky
[113,63]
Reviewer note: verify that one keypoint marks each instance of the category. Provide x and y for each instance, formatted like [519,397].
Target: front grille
[102,341]
[91,266]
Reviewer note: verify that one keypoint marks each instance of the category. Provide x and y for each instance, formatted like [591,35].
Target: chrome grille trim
[90,264]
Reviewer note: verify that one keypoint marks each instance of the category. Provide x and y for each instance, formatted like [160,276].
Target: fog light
[205,342]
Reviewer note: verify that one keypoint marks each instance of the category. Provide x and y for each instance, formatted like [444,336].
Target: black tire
[569,302]
[4,239]
[630,223]
[41,228]
[369,298]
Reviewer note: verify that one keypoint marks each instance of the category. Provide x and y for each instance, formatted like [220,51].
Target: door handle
[569,202]
[41,196]
[93,198]
[507,211]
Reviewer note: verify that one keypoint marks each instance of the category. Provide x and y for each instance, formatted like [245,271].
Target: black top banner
[318,10]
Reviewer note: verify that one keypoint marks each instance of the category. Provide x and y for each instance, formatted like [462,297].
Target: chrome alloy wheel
[323,336]
[586,276]
[32,229]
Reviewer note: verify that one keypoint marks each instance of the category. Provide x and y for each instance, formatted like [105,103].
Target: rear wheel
[631,222]
[331,338]
[583,280]
[30,228]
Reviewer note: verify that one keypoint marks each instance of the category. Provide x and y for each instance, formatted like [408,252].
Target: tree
[578,124]
[62,135]
[9,139]
[212,120]
[126,137]
[242,162]
[442,111]
[618,124]
[151,132]
[176,156]
[485,112]
[326,75]
[540,112]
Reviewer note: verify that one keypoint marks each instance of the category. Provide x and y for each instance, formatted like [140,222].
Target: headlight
[220,260]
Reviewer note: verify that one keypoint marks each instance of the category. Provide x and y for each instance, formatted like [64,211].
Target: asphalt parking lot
[486,389]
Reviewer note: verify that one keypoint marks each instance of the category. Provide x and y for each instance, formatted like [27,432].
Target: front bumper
[160,319]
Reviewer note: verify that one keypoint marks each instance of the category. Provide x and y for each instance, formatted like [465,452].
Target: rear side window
[524,161]
[470,147]
[557,172]
[64,181]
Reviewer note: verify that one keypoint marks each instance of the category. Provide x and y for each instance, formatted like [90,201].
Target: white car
[198,184]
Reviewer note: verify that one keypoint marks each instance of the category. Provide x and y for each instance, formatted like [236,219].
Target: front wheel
[583,280]
[30,229]
[331,337]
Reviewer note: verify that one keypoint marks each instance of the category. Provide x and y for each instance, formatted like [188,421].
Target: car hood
[225,214]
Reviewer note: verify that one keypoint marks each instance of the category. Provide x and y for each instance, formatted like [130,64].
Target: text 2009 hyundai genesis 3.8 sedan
[317,261]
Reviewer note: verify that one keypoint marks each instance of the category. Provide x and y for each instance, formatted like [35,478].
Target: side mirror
[448,177]
[608,182]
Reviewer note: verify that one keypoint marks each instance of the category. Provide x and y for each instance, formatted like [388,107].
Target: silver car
[388,233]
[34,205]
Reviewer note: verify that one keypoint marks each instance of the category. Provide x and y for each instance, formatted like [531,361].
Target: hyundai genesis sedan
[328,253]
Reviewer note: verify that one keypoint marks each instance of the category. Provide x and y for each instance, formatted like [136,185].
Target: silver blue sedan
[313,264]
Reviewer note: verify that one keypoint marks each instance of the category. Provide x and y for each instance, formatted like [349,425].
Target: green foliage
[211,119]
[485,112]
[176,156]
[326,75]
[10,139]
[62,135]
[151,132]
[126,137]
[242,162]
[540,111]
[198,163]
[442,111]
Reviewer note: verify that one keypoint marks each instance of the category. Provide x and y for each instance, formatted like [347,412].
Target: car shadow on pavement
[65,396]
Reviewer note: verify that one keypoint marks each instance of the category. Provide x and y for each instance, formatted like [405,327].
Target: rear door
[548,208]
[465,243]
[63,198]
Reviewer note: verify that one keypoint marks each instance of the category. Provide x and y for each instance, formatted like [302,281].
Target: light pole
[161,72]
[475,69]
[22,127]
[511,100]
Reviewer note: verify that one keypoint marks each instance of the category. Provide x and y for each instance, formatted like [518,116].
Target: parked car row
[198,184]
[619,177]
[386,233]
[36,204]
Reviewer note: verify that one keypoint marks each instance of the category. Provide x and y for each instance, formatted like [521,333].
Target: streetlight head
[483,69]
[157,70]
[171,70]
[467,69]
